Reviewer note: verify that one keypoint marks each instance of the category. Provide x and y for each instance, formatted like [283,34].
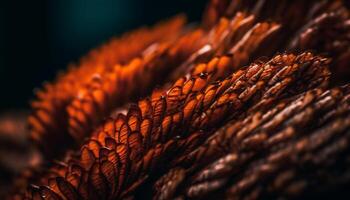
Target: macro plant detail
[251,103]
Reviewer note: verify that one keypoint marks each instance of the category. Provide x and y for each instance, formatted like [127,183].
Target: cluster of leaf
[213,121]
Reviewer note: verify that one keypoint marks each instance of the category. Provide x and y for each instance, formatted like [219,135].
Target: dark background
[39,38]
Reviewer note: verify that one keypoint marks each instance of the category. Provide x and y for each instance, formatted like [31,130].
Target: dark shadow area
[39,38]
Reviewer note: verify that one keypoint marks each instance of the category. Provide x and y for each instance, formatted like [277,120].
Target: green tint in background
[39,38]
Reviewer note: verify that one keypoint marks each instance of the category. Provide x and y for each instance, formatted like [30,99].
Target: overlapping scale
[328,34]
[96,97]
[135,145]
[242,36]
[123,83]
[290,13]
[48,122]
[213,126]
[284,151]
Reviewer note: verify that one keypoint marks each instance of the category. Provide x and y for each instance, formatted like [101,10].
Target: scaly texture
[85,111]
[104,93]
[328,34]
[96,97]
[271,144]
[282,152]
[290,13]
[48,122]
[241,36]
[127,149]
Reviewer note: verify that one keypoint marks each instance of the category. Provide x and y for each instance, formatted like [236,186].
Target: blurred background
[39,38]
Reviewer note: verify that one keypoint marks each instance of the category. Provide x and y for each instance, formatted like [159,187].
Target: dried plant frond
[279,152]
[241,37]
[328,34]
[49,123]
[132,146]
[95,101]
[290,13]
[205,111]
[95,98]
[167,185]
